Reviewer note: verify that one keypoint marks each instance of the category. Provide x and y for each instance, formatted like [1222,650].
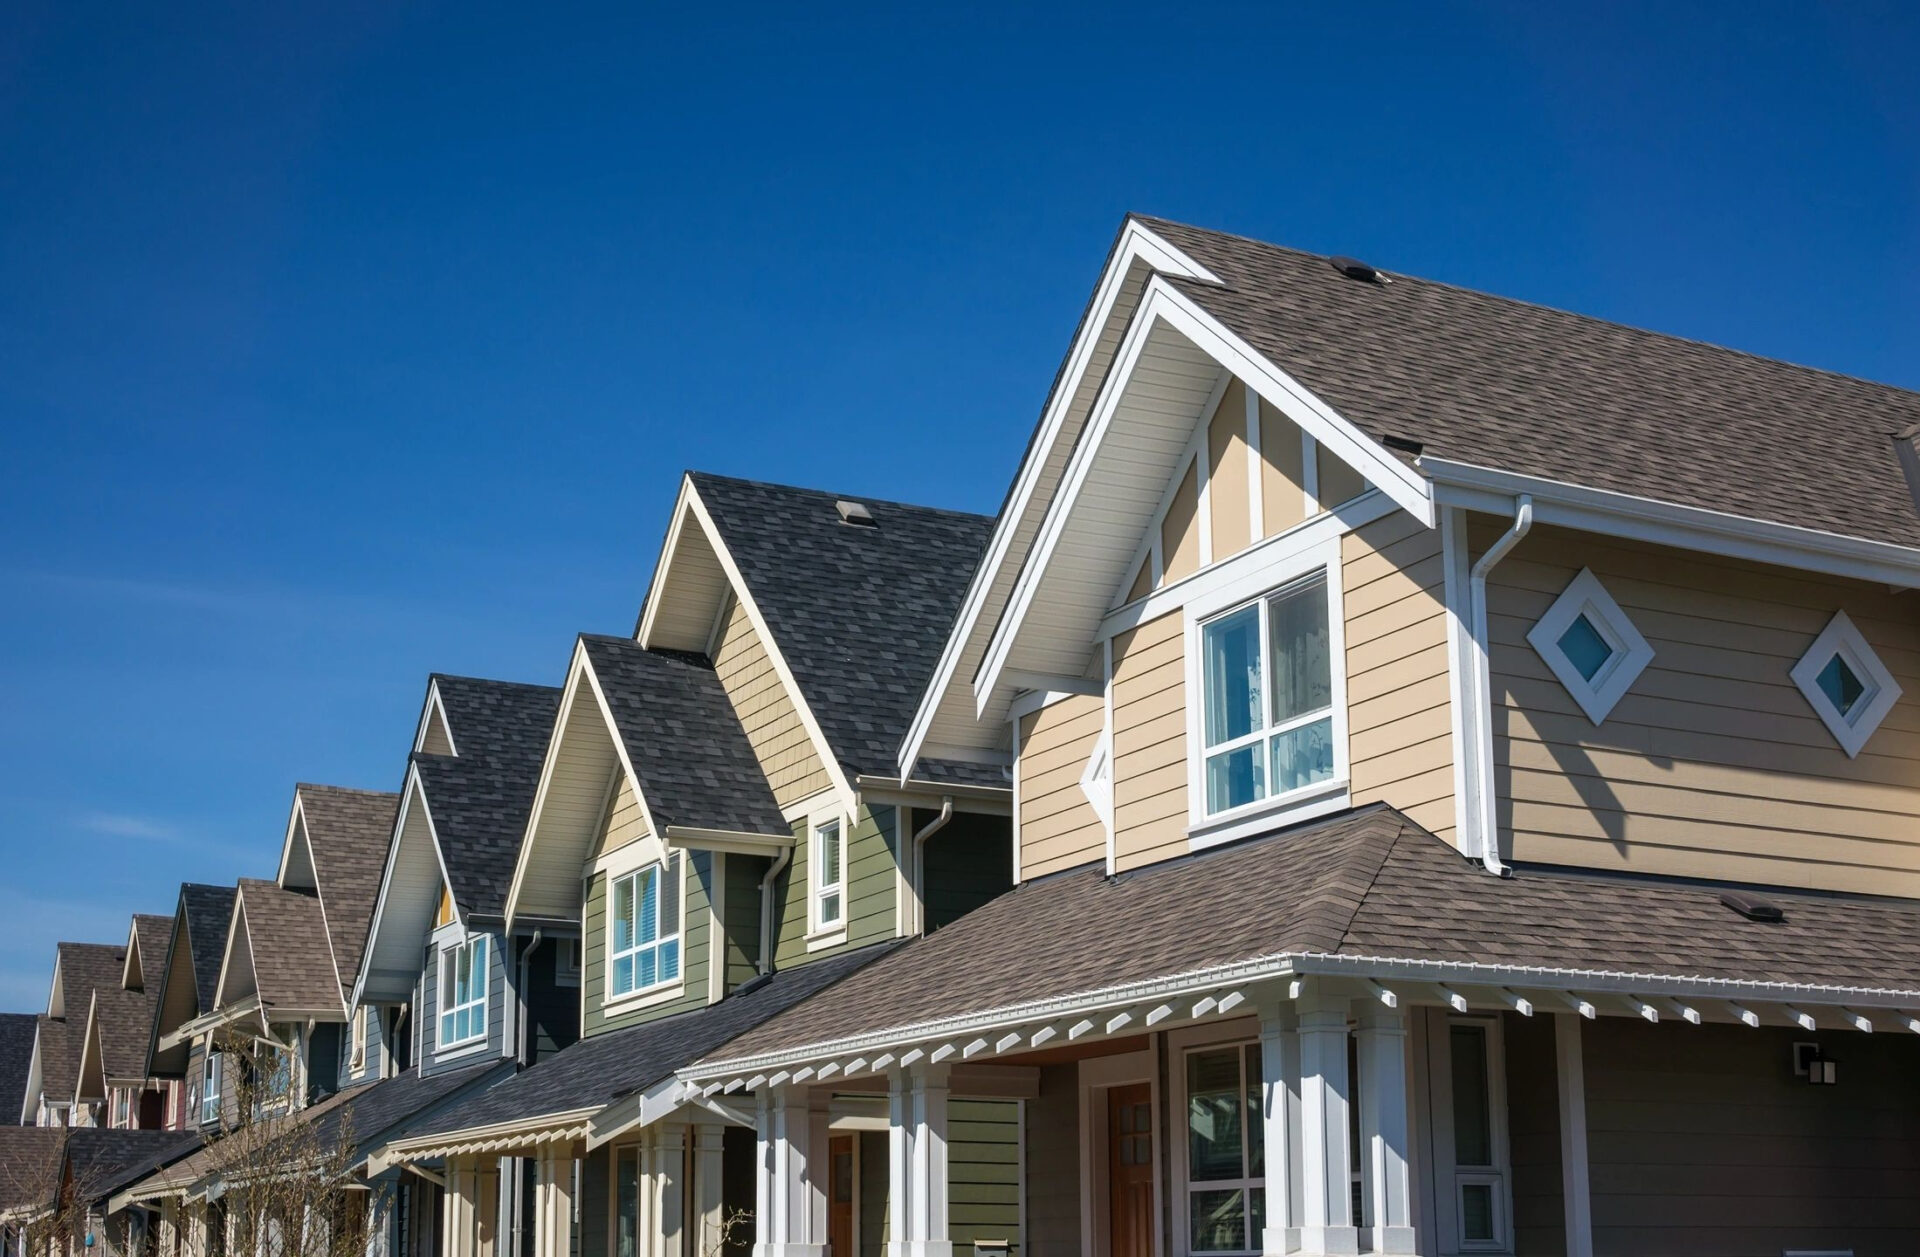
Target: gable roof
[16,1058]
[497,719]
[58,1067]
[30,1163]
[206,913]
[285,940]
[123,1021]
[347,833]
[101,1160]
[1524,388]
[84,969]
[1367,886]
[694,764]
[859,614]
[150,934]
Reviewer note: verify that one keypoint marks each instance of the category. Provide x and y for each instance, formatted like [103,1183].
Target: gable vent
[1752,907]
[855,513]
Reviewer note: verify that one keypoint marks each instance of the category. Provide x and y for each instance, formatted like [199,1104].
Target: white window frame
[1585,595]
[1242,584]
[821,932]
[1180,1045]
[122,1118]
[357,1050]
[444,1011]
[1852,730]
[1449,1176]
[672,864]
[213,1071]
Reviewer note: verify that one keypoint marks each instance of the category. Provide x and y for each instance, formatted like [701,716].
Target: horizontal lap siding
[1701,1140]
[1399,708]
[968,861]
[742,915]
[1053,1162]
[1713,763]
[983,1171]
[767,712]
[1149,743]
[693,952]
[1058,827]
[870,874]
[625,823]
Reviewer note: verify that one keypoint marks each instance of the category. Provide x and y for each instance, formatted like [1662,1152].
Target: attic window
[855,513]
[1590,645]
[1850,689]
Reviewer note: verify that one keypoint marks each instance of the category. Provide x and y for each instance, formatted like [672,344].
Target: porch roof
[231,1153]
[1367,893]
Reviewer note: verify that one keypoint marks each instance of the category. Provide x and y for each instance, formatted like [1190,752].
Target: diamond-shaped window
[1850,689]
[1590,645]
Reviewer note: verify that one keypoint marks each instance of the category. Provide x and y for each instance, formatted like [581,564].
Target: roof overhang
[688,838]
[403,910]
[1473,487]
[519,1137]
[994,800]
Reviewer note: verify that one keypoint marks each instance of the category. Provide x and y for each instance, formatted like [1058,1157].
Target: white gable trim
[434,713]
[1164,303]
[662,567]
[236,933]
[1136,244]
[410,791]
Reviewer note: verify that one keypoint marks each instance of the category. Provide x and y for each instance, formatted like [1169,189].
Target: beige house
[1465,761]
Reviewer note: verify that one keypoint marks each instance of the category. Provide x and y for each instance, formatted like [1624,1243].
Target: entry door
[840,1196]
[1130,1170]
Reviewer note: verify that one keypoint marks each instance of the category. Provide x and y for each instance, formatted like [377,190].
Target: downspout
[1483,685]
[927,831]
[766,908]
[520,1012]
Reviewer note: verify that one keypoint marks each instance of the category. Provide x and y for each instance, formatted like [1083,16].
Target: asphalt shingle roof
[124,1020]
[602,1068]
[1528,389]
[480,798]
[377,1114]
[84,969]
[16,1059]
[102,1160]
[347,831]
[287,938]
[691,755]
[58,1068]
[209,914]
[1365,883]
[860,614]
[30,1161]
[152,932]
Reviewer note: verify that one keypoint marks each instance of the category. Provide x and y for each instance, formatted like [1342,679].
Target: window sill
[633,1001]
[466,1047]
[1303,804]
[832,936]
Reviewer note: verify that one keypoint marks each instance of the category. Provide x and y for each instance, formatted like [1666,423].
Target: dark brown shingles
[152,932]
[347,832]
[287,938]
[124,1020]
[30,1159]
[84,969]
[16,1060]
[1524,388]
[59,1068]
[207,914]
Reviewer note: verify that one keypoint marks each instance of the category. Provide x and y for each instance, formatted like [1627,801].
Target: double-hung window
[122,1108]
[1226,1161]
[463,992]
[827,857]
[1266,676]
[643,947]
[212,1070]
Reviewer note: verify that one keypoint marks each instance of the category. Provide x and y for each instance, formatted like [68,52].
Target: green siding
[873,1193]
[742,916]
[693,953]
[983,1177]
[969,861]
[870,889]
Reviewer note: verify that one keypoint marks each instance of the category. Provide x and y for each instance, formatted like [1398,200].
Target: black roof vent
[1354,268]
[854,513]
[1405,444]
[1752,907]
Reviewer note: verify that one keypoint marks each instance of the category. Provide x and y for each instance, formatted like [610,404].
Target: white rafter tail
[1080,1029]
[1296,988]
[944,1051]
[756,1082]
[1580,1004]
[1007,1042]
[1907,1019]
[801,1075]
[1159,1013]
[1045,1034]
[1453,999]
[1120,1021]
[857,1065]
[1858,1020]
[828,1070]
[779,1077]
[1386,996]
[1801,1019]
[1745,1014]
[912,1057]
[1642,1007]
[1204,1005]
[1518,1003]
[711,1089]
[974,1049]
[1230,1001]
[733,1085]
[1685,1012]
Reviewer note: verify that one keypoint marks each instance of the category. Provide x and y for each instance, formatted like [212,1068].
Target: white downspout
[766,908]
[927,831]
[1482,701]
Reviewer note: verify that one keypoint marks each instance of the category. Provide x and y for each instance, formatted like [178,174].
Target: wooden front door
[840,1195]
[1130,1171]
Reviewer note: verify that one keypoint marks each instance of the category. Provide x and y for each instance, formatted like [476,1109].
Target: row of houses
[1404,771]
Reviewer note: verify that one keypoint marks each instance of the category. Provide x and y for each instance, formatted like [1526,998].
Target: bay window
[463,992]
[643,923]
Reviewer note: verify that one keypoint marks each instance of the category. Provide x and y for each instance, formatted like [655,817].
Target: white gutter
[1481,702]
[766,908]
[927,831]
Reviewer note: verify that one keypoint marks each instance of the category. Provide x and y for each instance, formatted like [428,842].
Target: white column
[709,1177]
[899,1163]
[930,1162]
[793,1220]
[1280,1120]
[1575,1187]
[1326,1160]
[1382,1051]
[665,1190]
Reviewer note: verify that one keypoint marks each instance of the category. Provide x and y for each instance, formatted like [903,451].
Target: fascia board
[662,566]
[1136,244]
[407,785]
[577,670]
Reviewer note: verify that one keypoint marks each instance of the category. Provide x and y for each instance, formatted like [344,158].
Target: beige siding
[1058,827]
[1229,505]
[767,711]
[625,823]
[1338,481]
[1180,530]
[1399,711]
[1713,764]
[1283,494]
[1149,743]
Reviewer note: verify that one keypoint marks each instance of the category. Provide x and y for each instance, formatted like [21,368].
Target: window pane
[830,854]
[1236,777]
[647,962]
[1476,1212]
[1230,655]
[1584,648]
[1214,1110]
[1302,756]
[1219,1221]
[1840,684]
[670,960]
[829,907]
[1256,1123]
[1256,1215]
[623,975]
[649,925]
[670,898]
[1472,1124]
[1302,667]
[623,914]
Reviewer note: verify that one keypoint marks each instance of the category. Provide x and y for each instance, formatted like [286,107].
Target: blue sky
[345,345]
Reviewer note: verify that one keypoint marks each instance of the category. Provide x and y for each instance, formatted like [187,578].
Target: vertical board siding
[1283,485]
[983,1171]
[1053,1162]
[871,874]
[695,933]
[969,861]
[376,1050]
[1533,1133]
[1229,499]
[1338,481]
[1058,827]
[1149,743]
[1399,708]
[1713,764]
[1701,1139]
[767,712]
[1180,530]
[625,823]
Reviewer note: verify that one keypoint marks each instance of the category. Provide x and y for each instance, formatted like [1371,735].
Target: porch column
[458,1227]
[1326,1160]
[792,1219]
[899,1163]
[553,1202]
[917,1174]
[1575,1188]
[1280,1121]
[708,1225]
[664,1162]
[1382,1052]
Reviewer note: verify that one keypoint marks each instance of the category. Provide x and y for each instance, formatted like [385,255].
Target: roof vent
[855,513]
[1354,268]
[1752,907]
[1404,444]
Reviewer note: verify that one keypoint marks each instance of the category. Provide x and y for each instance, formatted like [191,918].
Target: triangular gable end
[296,852]
[133,976]
[435,734]
[411,885]
[237,980]
[90,1082]
[179,1000]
